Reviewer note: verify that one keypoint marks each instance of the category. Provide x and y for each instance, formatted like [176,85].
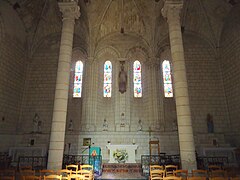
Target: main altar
[122,153]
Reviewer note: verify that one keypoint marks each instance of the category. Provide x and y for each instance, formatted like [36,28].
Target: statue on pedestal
[37,124]
[105,125]
[122,79]
[210,125]
[139,125]
[70,125]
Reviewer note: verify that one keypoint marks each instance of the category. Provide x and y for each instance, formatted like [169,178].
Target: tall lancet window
[77,91]
[107,86]
[167,79]
[137,79]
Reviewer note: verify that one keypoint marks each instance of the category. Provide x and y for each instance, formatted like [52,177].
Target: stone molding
[70,10]
[172,9]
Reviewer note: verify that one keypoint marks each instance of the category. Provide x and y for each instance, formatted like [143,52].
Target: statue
[105,125]
[36,123]
[139,125]
[210,125]
[122,79]
[70,125]
[122,124]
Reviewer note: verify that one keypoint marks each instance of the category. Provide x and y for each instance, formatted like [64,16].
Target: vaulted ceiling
[141,18]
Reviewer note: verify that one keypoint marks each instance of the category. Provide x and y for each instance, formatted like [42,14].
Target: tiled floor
[119,176]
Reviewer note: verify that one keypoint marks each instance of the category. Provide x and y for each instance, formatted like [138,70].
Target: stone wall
[40,86]
[206,90]
[229,57]
[12,74]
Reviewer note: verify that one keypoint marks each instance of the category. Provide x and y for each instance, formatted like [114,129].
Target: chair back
[65,173]
[199,173]
[76,177]
[72,167]
[31,178]
[172,178]
[157,174]
[181,173]
[45,172]
[169,170]
[53,177]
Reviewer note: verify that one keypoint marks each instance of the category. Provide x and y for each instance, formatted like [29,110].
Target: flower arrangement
[120,155]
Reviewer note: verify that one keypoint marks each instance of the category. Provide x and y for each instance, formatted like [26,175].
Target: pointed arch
[77,91]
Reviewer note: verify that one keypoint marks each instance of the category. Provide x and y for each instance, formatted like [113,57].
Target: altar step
[117,171]
[122,168]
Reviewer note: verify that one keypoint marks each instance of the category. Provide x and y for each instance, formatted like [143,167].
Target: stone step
[126,167]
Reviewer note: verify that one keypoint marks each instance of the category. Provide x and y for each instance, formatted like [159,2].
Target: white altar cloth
[130,149]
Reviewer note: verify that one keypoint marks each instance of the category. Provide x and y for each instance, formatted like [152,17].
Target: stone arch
[107,52]
[138,52]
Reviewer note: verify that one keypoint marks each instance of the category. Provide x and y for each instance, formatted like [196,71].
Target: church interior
[142,77]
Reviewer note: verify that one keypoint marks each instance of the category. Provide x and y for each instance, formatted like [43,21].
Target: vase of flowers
[120,155]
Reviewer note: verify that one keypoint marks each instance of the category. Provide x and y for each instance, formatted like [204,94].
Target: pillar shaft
[70,11]
[171,11]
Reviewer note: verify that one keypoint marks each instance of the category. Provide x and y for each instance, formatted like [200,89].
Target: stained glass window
[137,79]
[77,90]
[107,86]
[167,79]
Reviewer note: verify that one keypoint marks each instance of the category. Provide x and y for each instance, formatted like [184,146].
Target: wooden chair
[152,167]
[45,172]
[235,178]
[31,178]
[172,178]
[197,178]
[27,172]
[88,174]
[89,168]
[8,174]
[65,173]
[157,174]
[169,170]
[218,173]
[181,173]
[72,167]
[86,167]
[218,178]
[155,167]
[214,167]
[53,177]
[199,173]
[76,177]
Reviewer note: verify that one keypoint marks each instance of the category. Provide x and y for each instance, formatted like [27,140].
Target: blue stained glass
[107,85]
[77,90]
[137,79]
[167,79]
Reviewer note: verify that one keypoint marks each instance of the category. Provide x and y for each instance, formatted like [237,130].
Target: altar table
[130,149]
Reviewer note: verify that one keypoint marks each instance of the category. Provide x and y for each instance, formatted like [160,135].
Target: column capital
[172,9]
[70,10]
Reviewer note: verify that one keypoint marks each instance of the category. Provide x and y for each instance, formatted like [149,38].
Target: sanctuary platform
[122,171]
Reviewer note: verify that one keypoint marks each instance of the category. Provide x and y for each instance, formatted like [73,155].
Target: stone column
[70,11]
[171,11]
[153,93]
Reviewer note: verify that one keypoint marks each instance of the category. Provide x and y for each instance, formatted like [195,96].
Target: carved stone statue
[122,80]
[70,125]
[105,125]
[36,123]
[139,125]
[210,124]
